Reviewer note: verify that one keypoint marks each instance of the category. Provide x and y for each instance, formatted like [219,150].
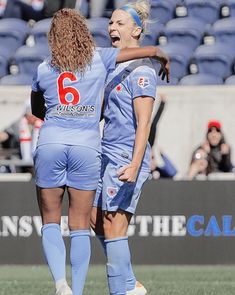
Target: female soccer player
[129,98]
[70,83]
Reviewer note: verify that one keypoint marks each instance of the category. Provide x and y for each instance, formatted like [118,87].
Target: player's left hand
[164,72]
[163,59]
[128,173]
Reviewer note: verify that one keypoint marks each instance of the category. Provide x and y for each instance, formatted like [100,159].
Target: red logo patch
[119,88]
[111,191]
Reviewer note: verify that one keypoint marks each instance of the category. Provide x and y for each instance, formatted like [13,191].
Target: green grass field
[159,280]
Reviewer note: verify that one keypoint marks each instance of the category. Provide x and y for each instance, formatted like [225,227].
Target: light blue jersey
[74,102]
[120,122]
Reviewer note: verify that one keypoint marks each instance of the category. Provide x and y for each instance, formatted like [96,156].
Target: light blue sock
[54,250]
[80,253]
[130,277]
[118,256]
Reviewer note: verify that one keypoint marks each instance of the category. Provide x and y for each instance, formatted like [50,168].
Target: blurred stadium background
[178,222]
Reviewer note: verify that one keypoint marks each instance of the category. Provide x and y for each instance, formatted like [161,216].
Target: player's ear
[136,32]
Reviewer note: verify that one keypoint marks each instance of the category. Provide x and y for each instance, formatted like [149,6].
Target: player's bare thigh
[50,204]
[80,206]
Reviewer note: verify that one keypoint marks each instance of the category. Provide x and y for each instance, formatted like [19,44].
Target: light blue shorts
[113,194]
[57,165]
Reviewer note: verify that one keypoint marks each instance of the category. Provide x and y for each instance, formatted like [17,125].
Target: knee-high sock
[54,250]
[118,261]
[130,277]
[80,253]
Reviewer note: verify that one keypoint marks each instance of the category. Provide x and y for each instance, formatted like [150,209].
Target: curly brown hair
[70,41]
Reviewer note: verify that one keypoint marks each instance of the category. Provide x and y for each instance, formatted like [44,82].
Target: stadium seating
[152,33]
[84,7]
[3,66]
[13,33]
[185,30]
[28,58]
[20,79]
[230,5]
[13,10]
[178,37]
[230,80]
[179,55]
[224,30]
[208,11]
[40,30]
[201,79]
[162,10]
[99,30]
[217,58]
[4,57]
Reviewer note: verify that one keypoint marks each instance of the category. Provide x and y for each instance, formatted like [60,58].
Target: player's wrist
[135,164]
[161,56]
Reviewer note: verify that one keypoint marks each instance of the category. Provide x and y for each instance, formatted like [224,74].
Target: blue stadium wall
[177,222]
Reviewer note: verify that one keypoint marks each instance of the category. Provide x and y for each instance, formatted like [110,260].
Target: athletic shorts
[57,165]
[113,194]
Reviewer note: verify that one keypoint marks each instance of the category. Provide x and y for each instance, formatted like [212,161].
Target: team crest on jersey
[119,88]
[111,191]
[143,82]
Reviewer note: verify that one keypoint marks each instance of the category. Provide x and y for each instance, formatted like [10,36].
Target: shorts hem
[84,188]
[129,210]
[46,185]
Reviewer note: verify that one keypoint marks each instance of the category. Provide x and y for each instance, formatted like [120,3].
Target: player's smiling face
[122,30]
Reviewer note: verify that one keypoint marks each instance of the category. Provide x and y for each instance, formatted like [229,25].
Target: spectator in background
[34,9]
[199,164]
[9,149]
[29,126]
[40,9]
[10,8]
[97,7]
[51,6]
[161,166]
[20,138]
[23,9]
[214,155]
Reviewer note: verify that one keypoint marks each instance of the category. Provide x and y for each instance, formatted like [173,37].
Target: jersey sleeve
[109,57]
[143,82]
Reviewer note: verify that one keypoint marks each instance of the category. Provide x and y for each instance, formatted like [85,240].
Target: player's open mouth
[114,39]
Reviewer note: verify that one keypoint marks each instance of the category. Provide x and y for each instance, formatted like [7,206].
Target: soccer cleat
[139,290]
[64,290]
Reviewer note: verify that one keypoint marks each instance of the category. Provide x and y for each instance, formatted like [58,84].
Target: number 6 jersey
[73,101]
